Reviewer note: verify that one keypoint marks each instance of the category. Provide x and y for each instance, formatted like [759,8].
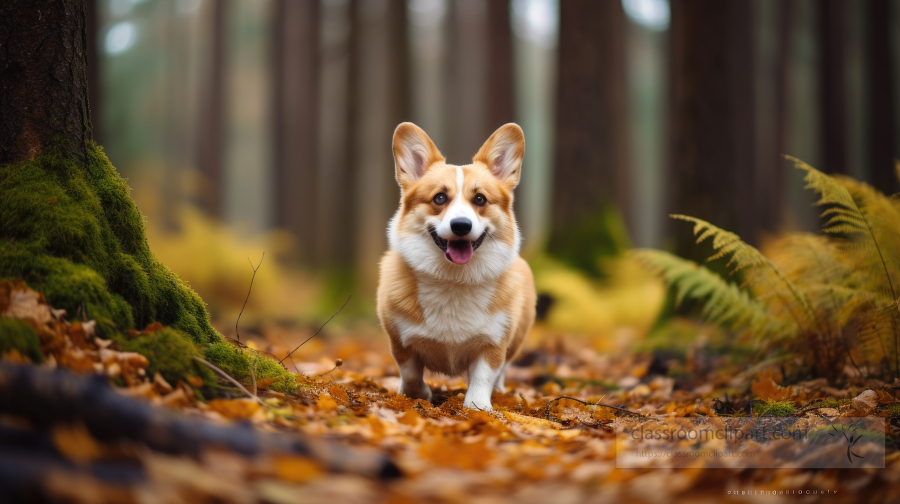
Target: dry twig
[232,380]
[317,332]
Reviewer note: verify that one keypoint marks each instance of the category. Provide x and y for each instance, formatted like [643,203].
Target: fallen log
[50,397]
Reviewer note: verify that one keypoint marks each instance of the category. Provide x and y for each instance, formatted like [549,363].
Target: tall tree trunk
[382,101]
[95,86]
[212,114]
[343,235]
[591,165]
[832,39]
[465,103]
[67,222]
[712,121]
[43,38]
[881,81]
[296,114]
[771,202]
[500,99]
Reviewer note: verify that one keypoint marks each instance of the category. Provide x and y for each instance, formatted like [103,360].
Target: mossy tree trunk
[68,226]
[43,79]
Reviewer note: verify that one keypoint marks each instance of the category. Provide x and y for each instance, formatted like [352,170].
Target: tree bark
[500,99]
[466,101]
[94,78]
[343,236]
[712,119]
[881,79]
[591,164]
[296,114]
[43,83]
[832,40]
[46,398]
[771,203]
[212,115]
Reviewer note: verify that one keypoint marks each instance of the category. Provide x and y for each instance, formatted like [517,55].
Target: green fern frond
[743,255]
[845,216]
[875,334]
[725,243]
[723,303]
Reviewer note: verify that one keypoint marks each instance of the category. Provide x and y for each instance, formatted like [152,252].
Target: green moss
[238,363]
[832,403]
[171,352]
[70,229]
[893,409]
[583,242]
[774,408]
[16,334]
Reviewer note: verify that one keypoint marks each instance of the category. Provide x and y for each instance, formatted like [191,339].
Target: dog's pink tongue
[459,251]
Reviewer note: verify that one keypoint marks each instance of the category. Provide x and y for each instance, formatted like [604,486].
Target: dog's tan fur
[419,289]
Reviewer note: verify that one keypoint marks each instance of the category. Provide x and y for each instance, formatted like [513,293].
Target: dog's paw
[478,405]
[420,390]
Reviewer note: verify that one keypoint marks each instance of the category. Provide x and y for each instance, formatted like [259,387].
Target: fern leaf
[875,334]
[725,243]
[845,209]
[743,255]
[723,302]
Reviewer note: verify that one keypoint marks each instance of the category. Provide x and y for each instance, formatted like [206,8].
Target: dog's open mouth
[457,251]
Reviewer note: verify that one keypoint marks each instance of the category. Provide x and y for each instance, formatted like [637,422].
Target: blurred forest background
[251,126]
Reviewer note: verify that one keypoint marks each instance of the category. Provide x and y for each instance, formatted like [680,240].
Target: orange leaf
[885,397]
[239,409]
[453,452]
[295,468]
[338,392]
[326,403]
[76,444]
[153,328]
[767,390]
[410,417]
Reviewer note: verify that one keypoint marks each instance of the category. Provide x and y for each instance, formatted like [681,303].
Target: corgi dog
[453,294]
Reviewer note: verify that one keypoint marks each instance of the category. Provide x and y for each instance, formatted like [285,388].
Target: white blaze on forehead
[460,208]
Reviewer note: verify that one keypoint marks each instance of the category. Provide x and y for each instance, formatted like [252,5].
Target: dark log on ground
[48,398]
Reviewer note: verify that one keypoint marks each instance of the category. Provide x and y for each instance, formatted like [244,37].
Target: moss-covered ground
[71,230]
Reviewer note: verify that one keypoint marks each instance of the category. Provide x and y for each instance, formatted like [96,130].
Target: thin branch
[232,380]
[617,408]
[337,364]
[317,332]
[248,294]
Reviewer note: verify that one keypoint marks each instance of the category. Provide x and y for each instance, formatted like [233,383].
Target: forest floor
[537,446]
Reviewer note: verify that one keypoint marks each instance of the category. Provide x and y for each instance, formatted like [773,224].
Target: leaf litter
[550,437]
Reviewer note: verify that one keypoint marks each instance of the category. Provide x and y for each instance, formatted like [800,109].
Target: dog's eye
[440,199]
[480,200]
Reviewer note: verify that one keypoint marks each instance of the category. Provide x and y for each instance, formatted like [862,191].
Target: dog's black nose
[460,226]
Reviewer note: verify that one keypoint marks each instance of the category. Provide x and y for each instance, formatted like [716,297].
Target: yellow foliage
[628,297]
[838,292]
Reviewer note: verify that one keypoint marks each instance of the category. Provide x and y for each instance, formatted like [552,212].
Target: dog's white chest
[455,313]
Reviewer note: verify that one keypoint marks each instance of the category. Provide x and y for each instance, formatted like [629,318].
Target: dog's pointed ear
[503,153]
[414,152]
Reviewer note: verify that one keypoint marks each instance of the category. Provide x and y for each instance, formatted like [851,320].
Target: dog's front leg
[482,378]
[412,383]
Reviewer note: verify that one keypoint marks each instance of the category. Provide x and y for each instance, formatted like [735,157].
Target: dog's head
[456,222]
